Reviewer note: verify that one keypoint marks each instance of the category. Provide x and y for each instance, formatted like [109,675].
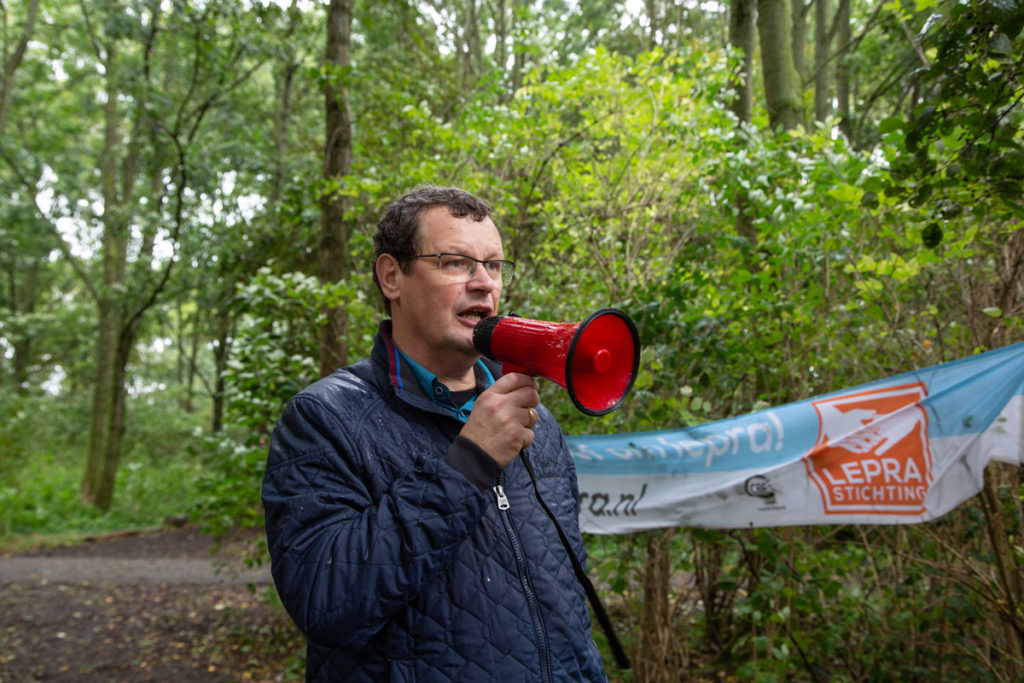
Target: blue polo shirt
[459,403]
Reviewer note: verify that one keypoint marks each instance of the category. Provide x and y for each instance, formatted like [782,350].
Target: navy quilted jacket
[391,554]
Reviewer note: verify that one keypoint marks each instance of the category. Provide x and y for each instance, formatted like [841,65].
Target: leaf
[993,312]
[891,124]
[999,10]
[931,235]
[1000,45]
[847,194]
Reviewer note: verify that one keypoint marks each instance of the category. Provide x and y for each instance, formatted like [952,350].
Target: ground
[142,606]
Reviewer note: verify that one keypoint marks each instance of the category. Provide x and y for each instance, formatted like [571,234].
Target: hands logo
[872,454]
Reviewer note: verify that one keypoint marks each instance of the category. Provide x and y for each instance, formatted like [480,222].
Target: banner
[902,450]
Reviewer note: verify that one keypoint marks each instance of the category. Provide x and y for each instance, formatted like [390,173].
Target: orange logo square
[872,454]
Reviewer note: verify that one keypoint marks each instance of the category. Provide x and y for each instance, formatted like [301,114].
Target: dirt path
[172,570]
[151,606]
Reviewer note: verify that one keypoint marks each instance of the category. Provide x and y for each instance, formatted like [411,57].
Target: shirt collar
[439,393]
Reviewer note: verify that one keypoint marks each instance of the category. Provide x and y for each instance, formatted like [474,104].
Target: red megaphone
[595,361]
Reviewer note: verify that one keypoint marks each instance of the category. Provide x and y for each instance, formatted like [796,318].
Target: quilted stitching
[396,566]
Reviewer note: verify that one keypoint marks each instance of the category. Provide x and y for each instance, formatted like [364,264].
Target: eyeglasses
[461,268]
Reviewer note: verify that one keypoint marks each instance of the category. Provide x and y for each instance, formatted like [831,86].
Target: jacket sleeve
[352,537]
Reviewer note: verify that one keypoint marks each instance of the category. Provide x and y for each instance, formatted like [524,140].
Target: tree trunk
[284,82]
[281,120]
[118,325]
[653,22]
[519,8]
[742,17]
[13,60]
[781,85]
[469,48]
[660,655]
[101,410]
[742,35]
[822,69]
[187,358]
[798,38]
[500,36]
[106,425]
[23,300]
[220,364]
[107,422]
[333,247]
[1009,570]
[844,36]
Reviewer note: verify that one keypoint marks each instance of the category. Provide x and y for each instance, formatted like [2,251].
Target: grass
[42,460]
[40,501]
[167,469]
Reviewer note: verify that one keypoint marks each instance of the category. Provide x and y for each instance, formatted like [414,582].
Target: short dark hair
[398,230]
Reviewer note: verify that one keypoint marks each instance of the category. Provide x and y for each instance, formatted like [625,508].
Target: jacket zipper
[499,491]
[531,595]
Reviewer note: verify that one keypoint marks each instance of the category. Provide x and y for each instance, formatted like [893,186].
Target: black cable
[595,601]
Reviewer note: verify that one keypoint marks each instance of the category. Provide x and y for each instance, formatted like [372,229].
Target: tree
[781,81]
[334,231]
[264,185]
[144,183]
[822,60]
[843,38]
[12,59]
[962,135]
[21,282]
[742,36]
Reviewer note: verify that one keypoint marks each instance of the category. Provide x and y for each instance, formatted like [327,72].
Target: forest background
[789,197]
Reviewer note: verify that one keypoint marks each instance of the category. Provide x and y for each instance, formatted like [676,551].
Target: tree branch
[62,245]
[11,65]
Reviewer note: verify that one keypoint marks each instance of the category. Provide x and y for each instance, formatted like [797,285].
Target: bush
[43,445]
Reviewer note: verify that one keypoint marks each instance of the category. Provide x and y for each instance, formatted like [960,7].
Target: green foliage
[276,341]
[963,139]
[621,181]
[44,499]
[228,484]
[34,424]
[760,269]
[40,471]
[275,358]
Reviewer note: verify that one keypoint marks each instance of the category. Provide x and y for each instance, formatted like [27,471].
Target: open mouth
[475,314]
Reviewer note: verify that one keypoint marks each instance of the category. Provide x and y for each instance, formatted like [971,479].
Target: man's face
[434,317]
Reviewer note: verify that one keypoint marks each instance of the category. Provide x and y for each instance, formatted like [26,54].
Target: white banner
[897,451]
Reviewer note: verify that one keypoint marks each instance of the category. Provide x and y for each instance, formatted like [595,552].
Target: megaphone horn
[596,360]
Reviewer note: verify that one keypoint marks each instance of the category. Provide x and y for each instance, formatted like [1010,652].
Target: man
[406,538]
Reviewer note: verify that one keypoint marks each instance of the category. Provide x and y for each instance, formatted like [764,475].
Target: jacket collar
[402,376]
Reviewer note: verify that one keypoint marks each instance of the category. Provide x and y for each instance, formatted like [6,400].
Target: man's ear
[389,274]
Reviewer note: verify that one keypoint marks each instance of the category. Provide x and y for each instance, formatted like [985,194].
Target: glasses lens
[455,267]
[463,268]
[508,271]
[500,271]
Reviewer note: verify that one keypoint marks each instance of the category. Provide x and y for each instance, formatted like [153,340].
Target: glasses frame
[505,280]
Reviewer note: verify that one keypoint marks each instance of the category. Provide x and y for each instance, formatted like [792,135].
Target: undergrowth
[42,460]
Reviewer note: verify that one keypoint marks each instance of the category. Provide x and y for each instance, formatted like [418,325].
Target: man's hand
[503,417]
